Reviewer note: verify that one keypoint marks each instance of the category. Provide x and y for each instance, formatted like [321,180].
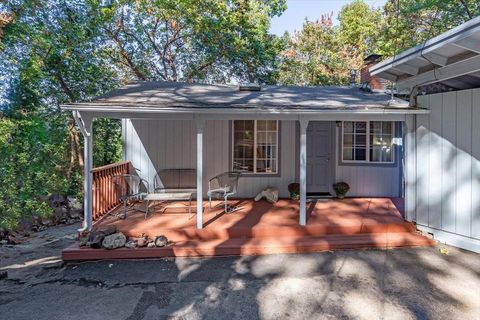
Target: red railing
[105,195]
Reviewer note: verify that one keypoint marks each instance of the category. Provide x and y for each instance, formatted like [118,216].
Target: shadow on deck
[257,228]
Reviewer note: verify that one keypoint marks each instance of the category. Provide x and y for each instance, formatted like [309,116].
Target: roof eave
[367,109]
[463,31]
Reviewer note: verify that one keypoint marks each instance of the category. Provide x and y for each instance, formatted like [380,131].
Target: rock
[270,194]
[151,245]
[56,200]
[141,241]
[131,244]
[113,241]
[75,214]
[11,239]
[83,241]
[95,238]
[3,242]
[74,204]
[46,221]
[161,241]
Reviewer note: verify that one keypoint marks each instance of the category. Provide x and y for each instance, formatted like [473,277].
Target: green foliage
[410,22]
[315,55]
[341,188]
[107,146]
[32,153]
[360,27]
[190,40]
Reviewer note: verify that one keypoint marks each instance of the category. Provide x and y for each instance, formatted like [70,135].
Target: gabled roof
[451,59]
[177,96]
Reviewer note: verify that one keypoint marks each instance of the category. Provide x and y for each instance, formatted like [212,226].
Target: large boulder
[95,238]
[113,241]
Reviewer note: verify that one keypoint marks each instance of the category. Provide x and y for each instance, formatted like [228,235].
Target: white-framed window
[368,141]
[255,146]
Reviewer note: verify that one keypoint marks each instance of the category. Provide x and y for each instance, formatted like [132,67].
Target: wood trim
[109,166]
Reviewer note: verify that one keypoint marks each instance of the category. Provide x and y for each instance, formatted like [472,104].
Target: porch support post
[303,171]
[85,122]
[200,124]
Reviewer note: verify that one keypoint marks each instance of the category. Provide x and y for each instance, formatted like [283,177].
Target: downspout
[85,126]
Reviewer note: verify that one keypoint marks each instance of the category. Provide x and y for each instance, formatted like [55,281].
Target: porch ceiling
[184,98]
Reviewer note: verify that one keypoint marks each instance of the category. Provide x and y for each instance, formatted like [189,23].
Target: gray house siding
[371,180]
[153,145]
[443,171]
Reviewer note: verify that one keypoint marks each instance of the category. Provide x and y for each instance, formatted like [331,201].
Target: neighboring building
[442,159]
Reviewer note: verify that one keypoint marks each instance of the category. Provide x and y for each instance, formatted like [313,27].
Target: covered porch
[175,125]
[263,228]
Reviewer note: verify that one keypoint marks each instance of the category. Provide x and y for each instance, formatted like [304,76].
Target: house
[424,152]
[442,158]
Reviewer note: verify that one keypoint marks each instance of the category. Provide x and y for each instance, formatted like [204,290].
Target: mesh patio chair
[223,186]
[128,188]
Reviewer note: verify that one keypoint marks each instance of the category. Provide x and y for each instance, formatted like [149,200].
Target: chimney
[369,82]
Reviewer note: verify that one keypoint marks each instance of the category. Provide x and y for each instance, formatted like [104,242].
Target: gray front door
[319,154]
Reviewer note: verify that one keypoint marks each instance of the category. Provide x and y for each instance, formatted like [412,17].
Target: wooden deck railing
[105,197]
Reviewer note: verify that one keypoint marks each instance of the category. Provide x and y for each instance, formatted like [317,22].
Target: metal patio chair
[128,188]
[223,186]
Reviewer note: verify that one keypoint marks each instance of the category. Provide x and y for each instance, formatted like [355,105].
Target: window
[368,141]
[255,146]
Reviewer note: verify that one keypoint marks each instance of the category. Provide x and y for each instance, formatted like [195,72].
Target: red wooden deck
[264,228]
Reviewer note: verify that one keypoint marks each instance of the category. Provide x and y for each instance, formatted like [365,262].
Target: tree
[360,27]
[316,55]
[55,52]
[188,40]
[411,22]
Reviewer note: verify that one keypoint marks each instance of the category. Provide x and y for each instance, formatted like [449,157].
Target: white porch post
[85,123]
[303,171]
[200,124]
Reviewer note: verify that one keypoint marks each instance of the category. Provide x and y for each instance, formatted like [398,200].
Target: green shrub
[32,166]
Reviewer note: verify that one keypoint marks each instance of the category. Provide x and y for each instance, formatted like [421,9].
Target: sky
[293,18]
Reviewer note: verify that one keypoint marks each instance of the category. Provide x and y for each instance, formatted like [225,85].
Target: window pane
[375,126]
[266,166]
[387,127]
[381,141]
[348,140]
[360,127]
[243,145]
[347,154]
[348,127]
[272,125]
[360,140]
[360,154]
[380,154]
[261,125]
[272,138]
[261,137]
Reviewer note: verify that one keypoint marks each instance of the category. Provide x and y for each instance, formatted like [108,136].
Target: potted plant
[341,189]
[294,189]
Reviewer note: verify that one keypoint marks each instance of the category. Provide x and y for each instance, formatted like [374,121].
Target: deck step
[270,231]
[254,246]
